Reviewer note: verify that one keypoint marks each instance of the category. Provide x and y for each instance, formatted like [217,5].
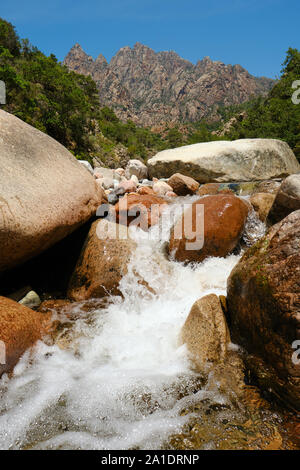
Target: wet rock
[287,199]
[262,203]
[102,263]
[30,300]
[161,188]
[45,192]
[139,209]
[263,301]
[183,185]
[137,168]
[205,333]
[20,328]
[55,306]
[224,161]
[65,309]
[216,232]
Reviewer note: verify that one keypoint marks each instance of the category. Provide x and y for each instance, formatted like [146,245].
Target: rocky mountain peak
[153,88]
[101,60]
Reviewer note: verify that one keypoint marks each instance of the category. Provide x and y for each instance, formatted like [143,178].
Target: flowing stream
[122,377]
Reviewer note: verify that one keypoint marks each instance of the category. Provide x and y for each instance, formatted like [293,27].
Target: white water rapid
[125,378]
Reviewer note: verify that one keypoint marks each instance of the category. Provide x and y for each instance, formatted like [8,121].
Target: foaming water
[124,377]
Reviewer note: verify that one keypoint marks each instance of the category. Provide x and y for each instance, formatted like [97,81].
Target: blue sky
[253,33]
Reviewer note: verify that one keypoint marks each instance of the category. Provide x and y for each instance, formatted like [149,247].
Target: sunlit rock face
[227,161]
[152,88]
[45,192]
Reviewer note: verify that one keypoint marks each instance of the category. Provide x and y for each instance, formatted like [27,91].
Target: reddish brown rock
[212,189]
[264,303]
[102,262]
[224,220]
[143,210]
[183,185]
[20,328]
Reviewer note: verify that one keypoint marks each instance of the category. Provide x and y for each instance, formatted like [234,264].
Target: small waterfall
[124,378]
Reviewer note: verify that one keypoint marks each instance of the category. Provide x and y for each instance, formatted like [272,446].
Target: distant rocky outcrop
[153,88]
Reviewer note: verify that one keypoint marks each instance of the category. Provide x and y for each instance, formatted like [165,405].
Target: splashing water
[125,378]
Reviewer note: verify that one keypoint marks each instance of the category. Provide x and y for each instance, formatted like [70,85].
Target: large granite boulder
[207,338]
[102,262]
[20,328]
[45,193]
[287,199]
[224,161]
[263,301]
[211,226]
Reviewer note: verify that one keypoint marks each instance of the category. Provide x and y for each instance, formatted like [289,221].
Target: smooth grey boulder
[45,193]
[224,161]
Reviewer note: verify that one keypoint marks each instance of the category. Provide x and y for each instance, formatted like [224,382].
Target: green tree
[174,138]
[275,116]
[8,38]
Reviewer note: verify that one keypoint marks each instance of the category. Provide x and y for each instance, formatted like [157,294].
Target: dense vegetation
[43,93]
[275,116]
[65,105]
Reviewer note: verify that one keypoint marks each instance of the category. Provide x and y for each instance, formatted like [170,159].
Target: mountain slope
[153,88]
